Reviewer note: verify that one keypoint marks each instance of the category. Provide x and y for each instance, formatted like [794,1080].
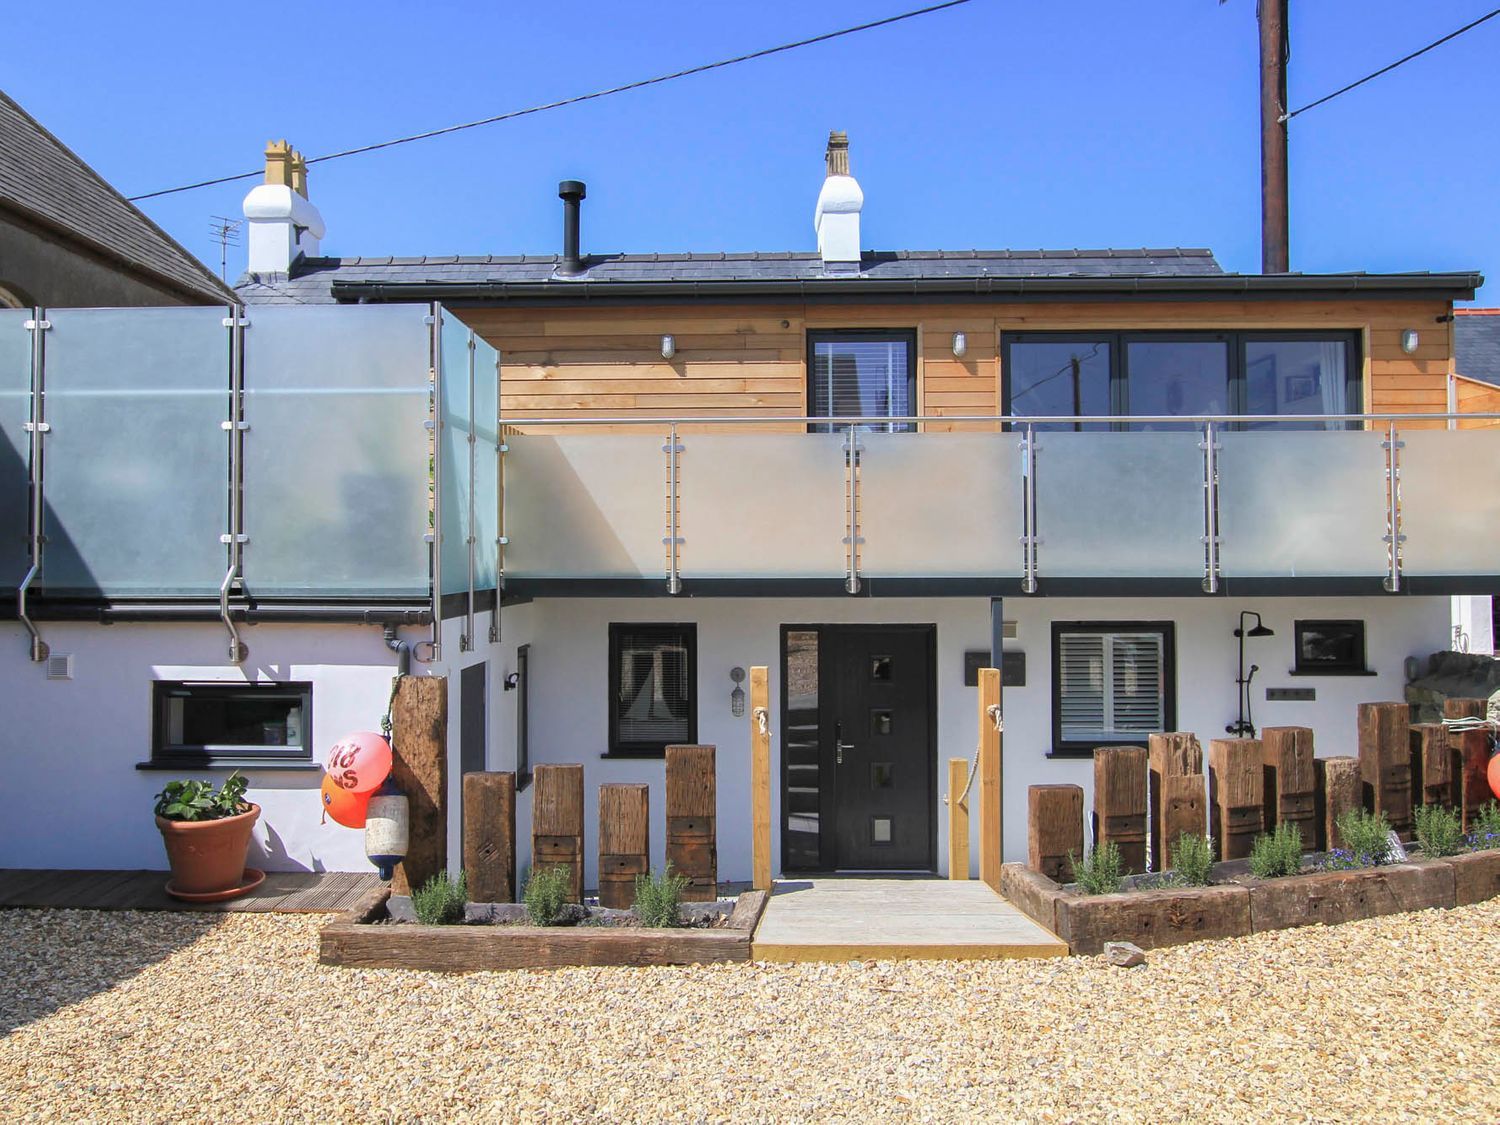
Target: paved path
[285,892]
[848,919]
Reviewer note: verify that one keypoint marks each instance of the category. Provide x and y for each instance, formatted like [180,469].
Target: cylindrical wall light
[960,344]
[668,347]
[1409,340]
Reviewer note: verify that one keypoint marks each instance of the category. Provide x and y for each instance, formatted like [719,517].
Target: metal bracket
[237,538]
[235,322]
[36,325]
[502,448]
[37,427]
[232,426]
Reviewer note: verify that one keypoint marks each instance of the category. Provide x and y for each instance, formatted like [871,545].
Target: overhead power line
[575,100]
[1393,66]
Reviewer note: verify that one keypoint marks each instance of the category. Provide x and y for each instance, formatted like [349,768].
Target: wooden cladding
[750,360]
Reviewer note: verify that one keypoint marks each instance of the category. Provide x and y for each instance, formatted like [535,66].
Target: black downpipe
[572,193]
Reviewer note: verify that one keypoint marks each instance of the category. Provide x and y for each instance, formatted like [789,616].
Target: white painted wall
[70,795]
[1473,624]
[570,694]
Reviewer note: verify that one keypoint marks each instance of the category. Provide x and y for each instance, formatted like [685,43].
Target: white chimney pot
[283,226]
[836,219]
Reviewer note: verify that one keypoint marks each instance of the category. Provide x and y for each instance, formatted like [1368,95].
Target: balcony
[1214,505]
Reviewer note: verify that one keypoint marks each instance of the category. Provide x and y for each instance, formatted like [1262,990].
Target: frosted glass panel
[763,505]
[15,410]
[1119,505]
[455,445]
[1301,504]
[941,505]
[1450,502]
[486,465]
[137,465]
[586,506]
[336,459]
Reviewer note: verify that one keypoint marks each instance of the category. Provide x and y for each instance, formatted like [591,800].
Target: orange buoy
[344,805]
[1494,773]
[359,762]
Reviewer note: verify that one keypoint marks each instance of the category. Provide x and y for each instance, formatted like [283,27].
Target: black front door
[877,735]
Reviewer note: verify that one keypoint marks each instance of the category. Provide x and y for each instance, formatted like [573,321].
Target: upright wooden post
[1121,787]
[557,823]
[692,820]
[1184,799]
[1291,783]
[419,736]
[1054,830]
[1236,794]
[1338,792]
[958,819]
[490,836]
[1431,765]
[624,842]
[1473,780]
[991,779]
[1460,757]
[1168,755]
[760,778]
[1385,761]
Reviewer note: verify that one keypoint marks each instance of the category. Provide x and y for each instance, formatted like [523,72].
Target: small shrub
[1192,859]
[1366,838]
[545,895]
[1438,830]
[1099,874]
[1277,853]
[440,901]
[658,897]
[1484,827]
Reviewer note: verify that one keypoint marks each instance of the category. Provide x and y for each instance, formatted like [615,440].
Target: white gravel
[119,1016]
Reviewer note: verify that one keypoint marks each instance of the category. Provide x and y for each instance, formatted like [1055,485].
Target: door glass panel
[882,775]
[1177,377]
[880,830]
[1059,378]
[880,722]
[880,668]
[1296,377]
[803,845]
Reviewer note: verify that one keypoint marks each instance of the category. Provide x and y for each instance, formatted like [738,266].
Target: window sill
[635,755]
[1333,672]
[190,765]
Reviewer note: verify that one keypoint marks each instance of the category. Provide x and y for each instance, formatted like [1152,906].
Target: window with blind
[653,688]
[1112,682]
[862,374]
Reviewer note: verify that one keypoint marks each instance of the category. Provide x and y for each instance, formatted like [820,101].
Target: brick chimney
[836,217]
[283,225]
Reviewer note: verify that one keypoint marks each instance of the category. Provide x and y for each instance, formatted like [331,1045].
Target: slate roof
[312,279]
[44,180]
[1476,344]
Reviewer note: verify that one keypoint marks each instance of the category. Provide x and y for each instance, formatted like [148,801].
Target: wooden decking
[877,919]
[285,892]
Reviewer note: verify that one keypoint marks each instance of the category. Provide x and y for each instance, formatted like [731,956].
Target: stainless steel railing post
[852,451]
[1029,538]
[673,539]
[235,426]
[36,427]
[1393,535]
[1210,510]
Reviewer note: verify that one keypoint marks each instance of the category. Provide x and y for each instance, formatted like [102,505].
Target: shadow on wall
[53,958]
[271,854]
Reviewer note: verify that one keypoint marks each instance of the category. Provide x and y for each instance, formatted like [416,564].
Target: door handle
[839,745]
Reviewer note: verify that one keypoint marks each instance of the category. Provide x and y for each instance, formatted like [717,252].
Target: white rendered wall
[569,693]
[1473,625]
[70,795]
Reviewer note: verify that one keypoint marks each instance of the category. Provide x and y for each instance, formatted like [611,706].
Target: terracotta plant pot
[207,856]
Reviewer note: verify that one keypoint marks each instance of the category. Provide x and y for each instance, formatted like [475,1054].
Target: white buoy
[387,828]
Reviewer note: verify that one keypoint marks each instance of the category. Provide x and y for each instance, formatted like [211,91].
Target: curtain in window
[1332,357]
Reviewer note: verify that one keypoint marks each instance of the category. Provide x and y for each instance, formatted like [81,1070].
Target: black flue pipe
[572,193]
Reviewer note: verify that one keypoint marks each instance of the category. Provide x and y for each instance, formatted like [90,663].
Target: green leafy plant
[1438,830]
[1277,853]
[1484,827]
[199,800]
[1099,874]
[440,901]
[657,898]
[1366,841]
[1193,859]
[546,894]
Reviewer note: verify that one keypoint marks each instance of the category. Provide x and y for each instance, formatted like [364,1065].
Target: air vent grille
[60,666]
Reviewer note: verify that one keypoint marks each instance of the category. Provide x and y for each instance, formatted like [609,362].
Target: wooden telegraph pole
[1275,254]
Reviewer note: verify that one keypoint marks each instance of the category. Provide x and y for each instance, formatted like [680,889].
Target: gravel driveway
[229,1018]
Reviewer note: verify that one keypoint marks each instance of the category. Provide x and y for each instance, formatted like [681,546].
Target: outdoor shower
[1244,726]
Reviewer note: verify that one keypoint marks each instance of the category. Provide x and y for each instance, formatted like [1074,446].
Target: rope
[763,722]
[993,711]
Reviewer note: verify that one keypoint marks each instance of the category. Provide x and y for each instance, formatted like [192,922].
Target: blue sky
[996,124]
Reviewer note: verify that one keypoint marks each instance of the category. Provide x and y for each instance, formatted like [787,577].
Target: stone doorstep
[1152,919]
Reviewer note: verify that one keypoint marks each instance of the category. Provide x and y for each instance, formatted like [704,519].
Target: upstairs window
[1188,375]
[653,688]
[862,374]
[1112,683]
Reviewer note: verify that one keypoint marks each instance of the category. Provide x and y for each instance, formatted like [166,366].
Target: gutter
[1452,286]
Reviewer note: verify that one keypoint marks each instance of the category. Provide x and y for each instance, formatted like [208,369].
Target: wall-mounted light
[512,681]
[668,347]
[737,696]
[960,344]
[1409,340]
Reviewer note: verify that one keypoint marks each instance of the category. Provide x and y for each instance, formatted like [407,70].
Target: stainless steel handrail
[997,419]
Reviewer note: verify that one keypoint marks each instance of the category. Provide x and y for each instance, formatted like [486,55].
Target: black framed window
[859,373]
[523,717]
[1121,374]
[207,723]
[1113,682]
[1330,648]
[653,688]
